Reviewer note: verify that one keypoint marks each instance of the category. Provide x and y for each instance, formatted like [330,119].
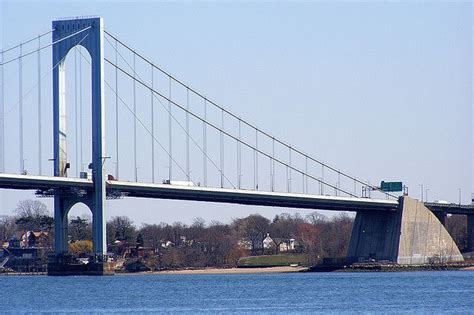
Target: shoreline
[214,271]
[256,270]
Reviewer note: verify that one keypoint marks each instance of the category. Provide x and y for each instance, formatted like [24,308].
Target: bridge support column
[470,233]
[411,235]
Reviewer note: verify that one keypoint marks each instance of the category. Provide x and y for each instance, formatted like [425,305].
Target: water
[410,292]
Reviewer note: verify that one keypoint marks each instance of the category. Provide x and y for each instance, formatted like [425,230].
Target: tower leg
[60,226]
[98,230]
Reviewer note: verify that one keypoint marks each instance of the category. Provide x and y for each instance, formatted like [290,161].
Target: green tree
[79,229]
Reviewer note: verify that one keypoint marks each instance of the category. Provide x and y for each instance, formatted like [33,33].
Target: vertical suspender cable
[75,113]
[40,153]
[170,148]
[272,165]
[338,183]
[289,169]
[188,175]
[20,110]
[152,129]
[204,145]
[135,120]
[2,118]
[322,179]
[256,159]
[271,174]
[305,176]
[239,157]
[116,115]
[222,149]
[302,179]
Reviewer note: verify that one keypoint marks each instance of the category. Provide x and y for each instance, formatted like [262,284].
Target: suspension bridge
[157,122]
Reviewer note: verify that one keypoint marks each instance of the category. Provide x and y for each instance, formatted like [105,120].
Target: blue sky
[381,90]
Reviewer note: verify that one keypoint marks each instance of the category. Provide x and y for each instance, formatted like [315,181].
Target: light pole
[116,170]
[421,186]
[459,190]
[426,194]
[24,170]
[136,173]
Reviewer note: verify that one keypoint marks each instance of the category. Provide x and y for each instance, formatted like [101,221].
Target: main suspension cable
[135,116]
[223,131]
[281,142]
[27,41]
[46,46]
[168,110]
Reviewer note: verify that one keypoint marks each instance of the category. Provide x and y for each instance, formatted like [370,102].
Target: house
[27,251]
[34,239]
[268,242]
[287,247]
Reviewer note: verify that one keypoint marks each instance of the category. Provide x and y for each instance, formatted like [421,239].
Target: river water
[384,292]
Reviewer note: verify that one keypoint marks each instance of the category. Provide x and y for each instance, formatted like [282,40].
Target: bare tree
[253,228]
[31,208]
[316,218]
[7,227]
[33,215]
[123,228]
[154,234]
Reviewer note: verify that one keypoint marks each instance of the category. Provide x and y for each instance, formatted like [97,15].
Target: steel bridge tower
[92,40]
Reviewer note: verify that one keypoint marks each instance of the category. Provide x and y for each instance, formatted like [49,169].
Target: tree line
[204,244]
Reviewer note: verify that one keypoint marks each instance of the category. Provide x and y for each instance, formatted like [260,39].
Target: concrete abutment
[410,235]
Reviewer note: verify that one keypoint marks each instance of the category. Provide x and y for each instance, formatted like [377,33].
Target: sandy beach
[468,268]
[220,271]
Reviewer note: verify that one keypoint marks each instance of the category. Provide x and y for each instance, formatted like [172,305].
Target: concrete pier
[66,265]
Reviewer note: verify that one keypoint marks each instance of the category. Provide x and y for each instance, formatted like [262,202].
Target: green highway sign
[391,186]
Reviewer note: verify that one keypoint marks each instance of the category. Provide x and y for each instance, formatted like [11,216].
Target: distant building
[27,251]
[34,239]
[268,242]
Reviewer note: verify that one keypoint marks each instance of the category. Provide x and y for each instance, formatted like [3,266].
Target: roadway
[236,196]
[196,193]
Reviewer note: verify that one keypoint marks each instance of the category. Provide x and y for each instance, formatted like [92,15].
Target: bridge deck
[237,196]
[452,208]
[252,197]
[164,191]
